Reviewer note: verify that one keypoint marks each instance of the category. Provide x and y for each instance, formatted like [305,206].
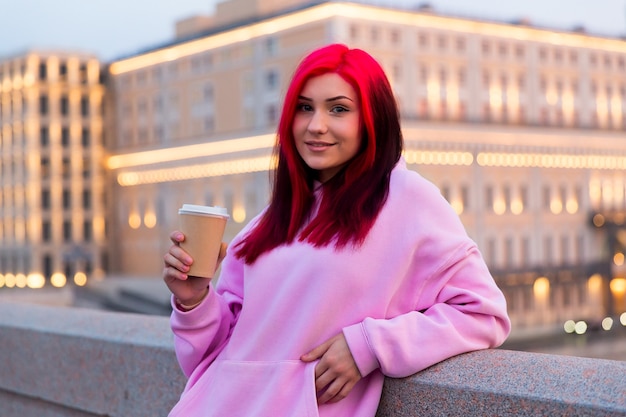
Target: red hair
[352,199]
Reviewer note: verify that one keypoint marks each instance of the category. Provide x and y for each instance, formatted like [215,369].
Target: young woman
[358,268]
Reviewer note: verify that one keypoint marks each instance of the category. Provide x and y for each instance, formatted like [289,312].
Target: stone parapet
[73,362]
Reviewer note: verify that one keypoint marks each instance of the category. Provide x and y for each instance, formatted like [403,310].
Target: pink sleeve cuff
[191,317]
[360,348]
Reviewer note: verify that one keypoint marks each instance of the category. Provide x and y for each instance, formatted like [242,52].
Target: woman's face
[326,124]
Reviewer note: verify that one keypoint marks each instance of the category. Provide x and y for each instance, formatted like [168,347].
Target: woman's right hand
[188,290]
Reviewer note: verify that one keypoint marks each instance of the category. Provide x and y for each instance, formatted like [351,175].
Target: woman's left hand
[336,373]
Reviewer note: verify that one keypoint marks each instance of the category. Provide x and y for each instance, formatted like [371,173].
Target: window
[65,136]
[84,106]
[86,199]
[271,46]
[65,106]
[395,37]
[67,200]
[397,71]
[443,76]
[142,107]
[461,77]
[271,80]
[424,74]
[85,137]
[489,197]
[43,71]
[374,34]
[87,235]
[423,40]
[45,199]
[543,54]
[44,136]
[442,42]
[354,32]
[558,56]
[45,167]
[86,167]
[502,50]
[207,60]
[142,135]
[565,249]
[157,103]
[209,123]
[66,167]
[548,250]
[272,114]
[508,252]
[525,251]
[158,133]
[46,231]
[485,47]
[82,73]
[460,44]
[43,105]
[579,254]
[63,71]
[208,93]
[67,231]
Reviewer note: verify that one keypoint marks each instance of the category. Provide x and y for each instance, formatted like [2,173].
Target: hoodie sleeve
[462,311]
[456,305]
[200,334]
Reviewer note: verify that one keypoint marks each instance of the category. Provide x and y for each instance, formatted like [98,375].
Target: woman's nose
[317,124]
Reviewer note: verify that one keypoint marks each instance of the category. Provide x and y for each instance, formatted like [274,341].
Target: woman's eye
[339,109]
[304,107]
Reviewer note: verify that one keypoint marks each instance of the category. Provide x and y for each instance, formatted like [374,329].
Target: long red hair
[351,199]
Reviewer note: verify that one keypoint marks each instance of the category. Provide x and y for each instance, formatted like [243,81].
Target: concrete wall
[57,361]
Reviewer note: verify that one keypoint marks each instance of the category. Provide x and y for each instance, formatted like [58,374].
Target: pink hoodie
[415,293]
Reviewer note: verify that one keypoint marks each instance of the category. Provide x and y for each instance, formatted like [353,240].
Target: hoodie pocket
[252,389]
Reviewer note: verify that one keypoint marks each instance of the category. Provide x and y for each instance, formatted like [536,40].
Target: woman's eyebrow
[339,98]
[328,99]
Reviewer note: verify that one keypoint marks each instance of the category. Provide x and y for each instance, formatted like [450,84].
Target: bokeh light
[58,280]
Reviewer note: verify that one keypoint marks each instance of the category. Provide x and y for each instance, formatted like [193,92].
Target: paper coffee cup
[203,227]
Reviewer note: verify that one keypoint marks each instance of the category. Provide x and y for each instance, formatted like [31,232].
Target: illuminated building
[521,127]
[51,175]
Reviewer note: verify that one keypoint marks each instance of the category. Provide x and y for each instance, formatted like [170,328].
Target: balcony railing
[58,361]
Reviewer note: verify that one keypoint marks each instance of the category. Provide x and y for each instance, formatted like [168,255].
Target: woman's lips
[318,146]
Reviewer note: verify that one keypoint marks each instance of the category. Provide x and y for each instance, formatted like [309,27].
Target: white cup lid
[203,210]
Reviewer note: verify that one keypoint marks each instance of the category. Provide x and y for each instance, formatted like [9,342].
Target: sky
[115,28]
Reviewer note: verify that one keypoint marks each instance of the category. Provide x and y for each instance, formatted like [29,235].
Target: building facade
[52,217]
[521,127]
